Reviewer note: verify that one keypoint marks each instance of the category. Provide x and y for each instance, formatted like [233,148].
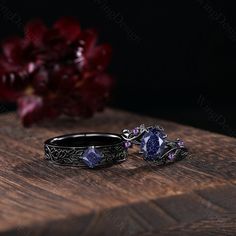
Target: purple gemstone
[153,144]
[181,144]
[135,131]
[92,157]
[128,144]
[171,156]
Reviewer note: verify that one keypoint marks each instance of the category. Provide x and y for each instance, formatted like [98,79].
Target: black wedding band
[86,149]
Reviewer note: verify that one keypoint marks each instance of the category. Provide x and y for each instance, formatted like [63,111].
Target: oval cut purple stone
[153,144]
[92,157]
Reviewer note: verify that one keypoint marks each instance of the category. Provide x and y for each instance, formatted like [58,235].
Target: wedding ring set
[94,150]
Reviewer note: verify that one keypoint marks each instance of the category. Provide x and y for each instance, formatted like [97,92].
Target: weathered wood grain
[195,196]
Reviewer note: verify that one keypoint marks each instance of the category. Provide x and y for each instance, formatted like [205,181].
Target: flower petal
[10,86]
[101,56]
[35,31]
[30,109]
[40,82]
[95,92]
[13,49]
[8,95]
[69,28]
[97,61]
[89,39]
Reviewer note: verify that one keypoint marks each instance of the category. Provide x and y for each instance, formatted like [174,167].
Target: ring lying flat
[154,145]
[86,149]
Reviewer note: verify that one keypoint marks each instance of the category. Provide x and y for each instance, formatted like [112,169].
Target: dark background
[172,59]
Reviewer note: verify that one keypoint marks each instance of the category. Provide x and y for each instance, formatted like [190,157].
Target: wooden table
[195,196]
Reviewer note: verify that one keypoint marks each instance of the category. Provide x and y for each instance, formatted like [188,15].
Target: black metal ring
[154,145]
[86,149]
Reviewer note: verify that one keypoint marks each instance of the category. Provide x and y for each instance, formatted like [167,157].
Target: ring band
[86,149]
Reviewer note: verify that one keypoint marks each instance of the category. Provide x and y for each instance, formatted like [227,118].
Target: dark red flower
[68,28]
[54,71]
[30,109]
[34,32]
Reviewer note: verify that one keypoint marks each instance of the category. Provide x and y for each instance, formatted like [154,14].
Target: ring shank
[85,140]
[70,149]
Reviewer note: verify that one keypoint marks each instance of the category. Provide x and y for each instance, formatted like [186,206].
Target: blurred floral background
[175,60]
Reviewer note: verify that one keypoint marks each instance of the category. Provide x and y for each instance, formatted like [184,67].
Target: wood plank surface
[195,196]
